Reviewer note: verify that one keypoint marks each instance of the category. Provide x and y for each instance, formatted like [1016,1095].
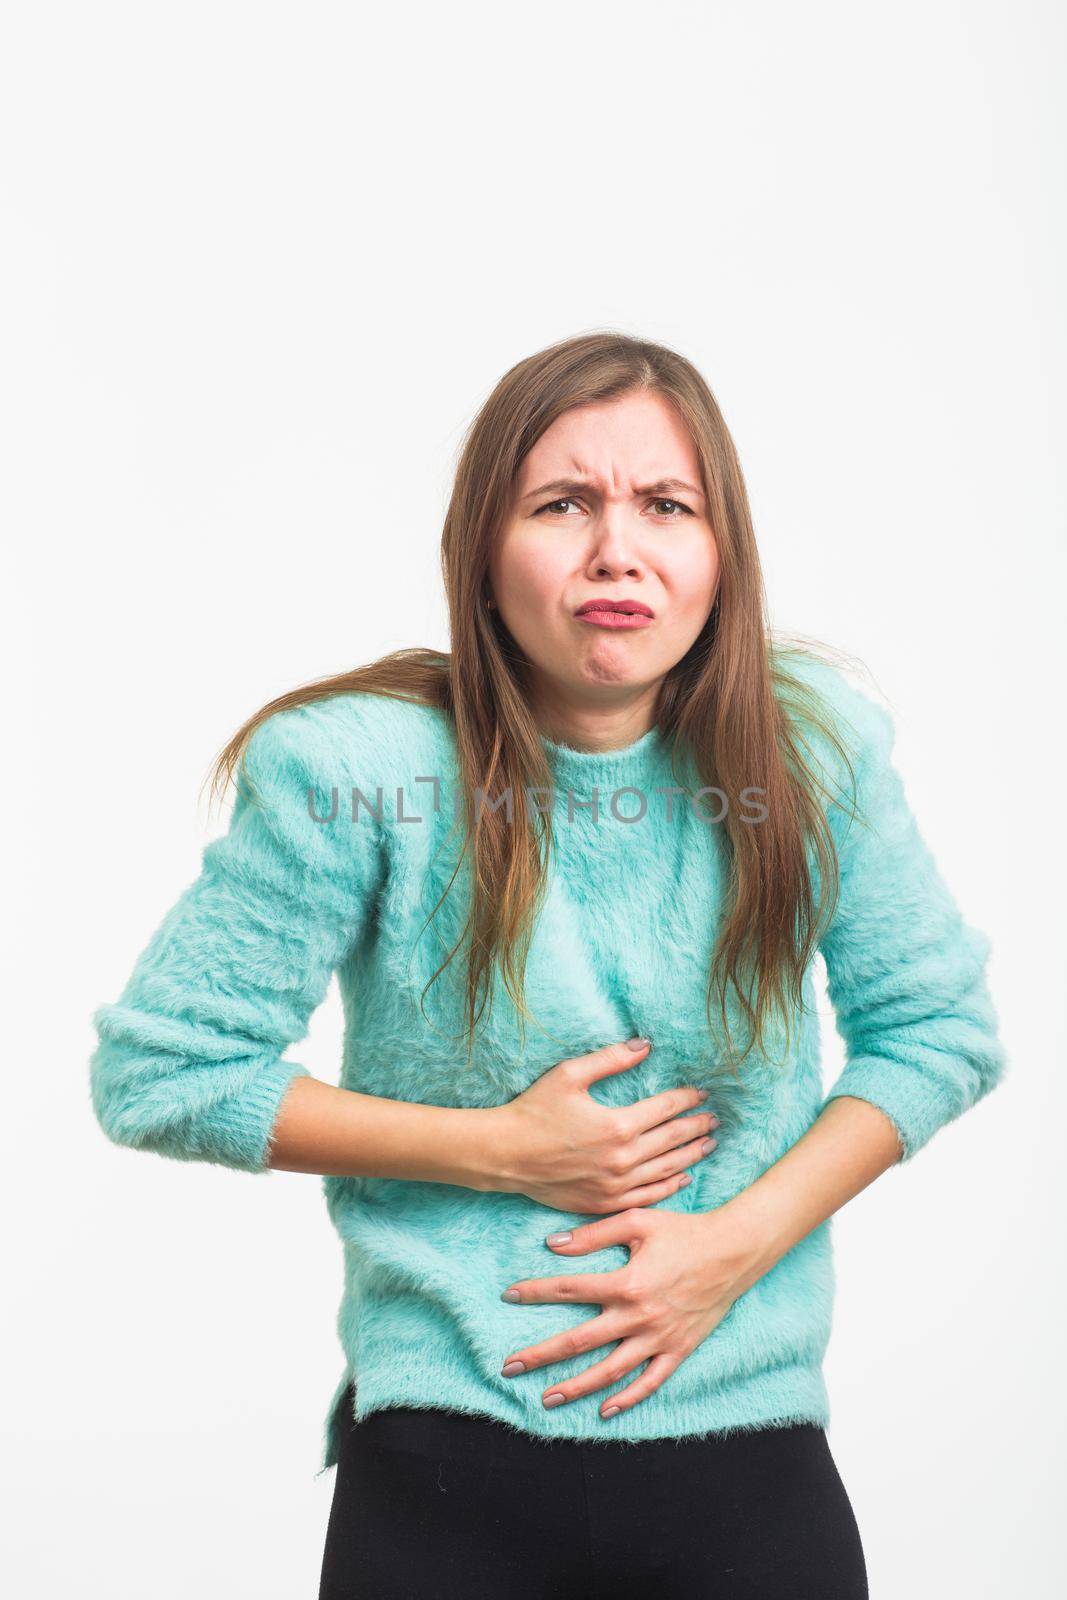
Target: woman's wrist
[480,1147]
[752,1230]
[847,1146]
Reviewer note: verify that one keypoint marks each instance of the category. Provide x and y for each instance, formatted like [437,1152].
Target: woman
[584,1173]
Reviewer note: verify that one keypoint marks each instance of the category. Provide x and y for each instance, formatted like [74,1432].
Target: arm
[907,980]
[327,1130]
[905,974]
[190,1060]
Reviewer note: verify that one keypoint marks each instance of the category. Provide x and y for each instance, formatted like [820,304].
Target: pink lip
[615,613]
[615,619]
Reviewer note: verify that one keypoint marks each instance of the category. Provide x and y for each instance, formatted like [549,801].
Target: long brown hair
[730,702]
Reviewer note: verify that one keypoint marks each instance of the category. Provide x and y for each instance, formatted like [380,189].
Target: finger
[655,1374]
[673,1136]
[660,1108]
[592,1334]
[649,1193]
[622,1227]
[612,1058]
[675,1161]
[628,1354]
[575,1288]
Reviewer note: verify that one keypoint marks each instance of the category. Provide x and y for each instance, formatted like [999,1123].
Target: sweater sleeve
[189,1062]
[905,974]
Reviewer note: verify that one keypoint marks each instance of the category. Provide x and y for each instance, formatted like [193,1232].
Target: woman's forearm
[848,1145]
[323,1129]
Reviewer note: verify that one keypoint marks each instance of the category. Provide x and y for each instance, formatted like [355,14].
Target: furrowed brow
[581,485]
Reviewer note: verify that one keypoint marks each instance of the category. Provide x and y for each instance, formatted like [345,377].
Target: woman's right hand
[572,1153]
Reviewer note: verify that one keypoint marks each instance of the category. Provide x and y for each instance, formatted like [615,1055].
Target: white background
[262,263]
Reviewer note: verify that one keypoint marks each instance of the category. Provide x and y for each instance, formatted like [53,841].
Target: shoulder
[845,735]
[819,694]
[300,765]
[348,738]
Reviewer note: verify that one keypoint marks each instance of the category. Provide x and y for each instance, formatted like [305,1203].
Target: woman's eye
[677,504]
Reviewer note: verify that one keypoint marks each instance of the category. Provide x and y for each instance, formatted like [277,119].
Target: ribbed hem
[778,1398]
[916,1102]
[241,1127]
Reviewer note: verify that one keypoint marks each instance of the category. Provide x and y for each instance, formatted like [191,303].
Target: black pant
[435,1505]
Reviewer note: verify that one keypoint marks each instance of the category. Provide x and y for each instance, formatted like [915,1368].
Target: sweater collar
[636,764]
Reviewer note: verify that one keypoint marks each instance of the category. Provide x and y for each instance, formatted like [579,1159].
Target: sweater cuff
[916,1102]
[238,1130]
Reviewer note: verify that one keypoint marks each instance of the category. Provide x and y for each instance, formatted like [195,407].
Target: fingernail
[559,1238]
[703,1096]
[609,1411]
[683,1181]
[554,1399]
[510,1368]
[709,1144]
[510,1294]
[638,1044]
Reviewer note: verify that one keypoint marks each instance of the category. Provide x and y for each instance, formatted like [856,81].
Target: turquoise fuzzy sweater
[191,1060]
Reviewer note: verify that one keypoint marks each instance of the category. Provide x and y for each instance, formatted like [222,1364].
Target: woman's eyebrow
[574,485]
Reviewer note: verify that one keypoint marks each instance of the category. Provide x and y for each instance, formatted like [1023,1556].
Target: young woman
[572,876]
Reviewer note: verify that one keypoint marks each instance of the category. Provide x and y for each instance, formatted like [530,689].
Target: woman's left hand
[684,1273]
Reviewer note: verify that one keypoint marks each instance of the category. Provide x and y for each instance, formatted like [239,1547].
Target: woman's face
[608,507]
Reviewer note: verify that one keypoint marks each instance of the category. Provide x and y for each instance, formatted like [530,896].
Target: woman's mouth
[614,614]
